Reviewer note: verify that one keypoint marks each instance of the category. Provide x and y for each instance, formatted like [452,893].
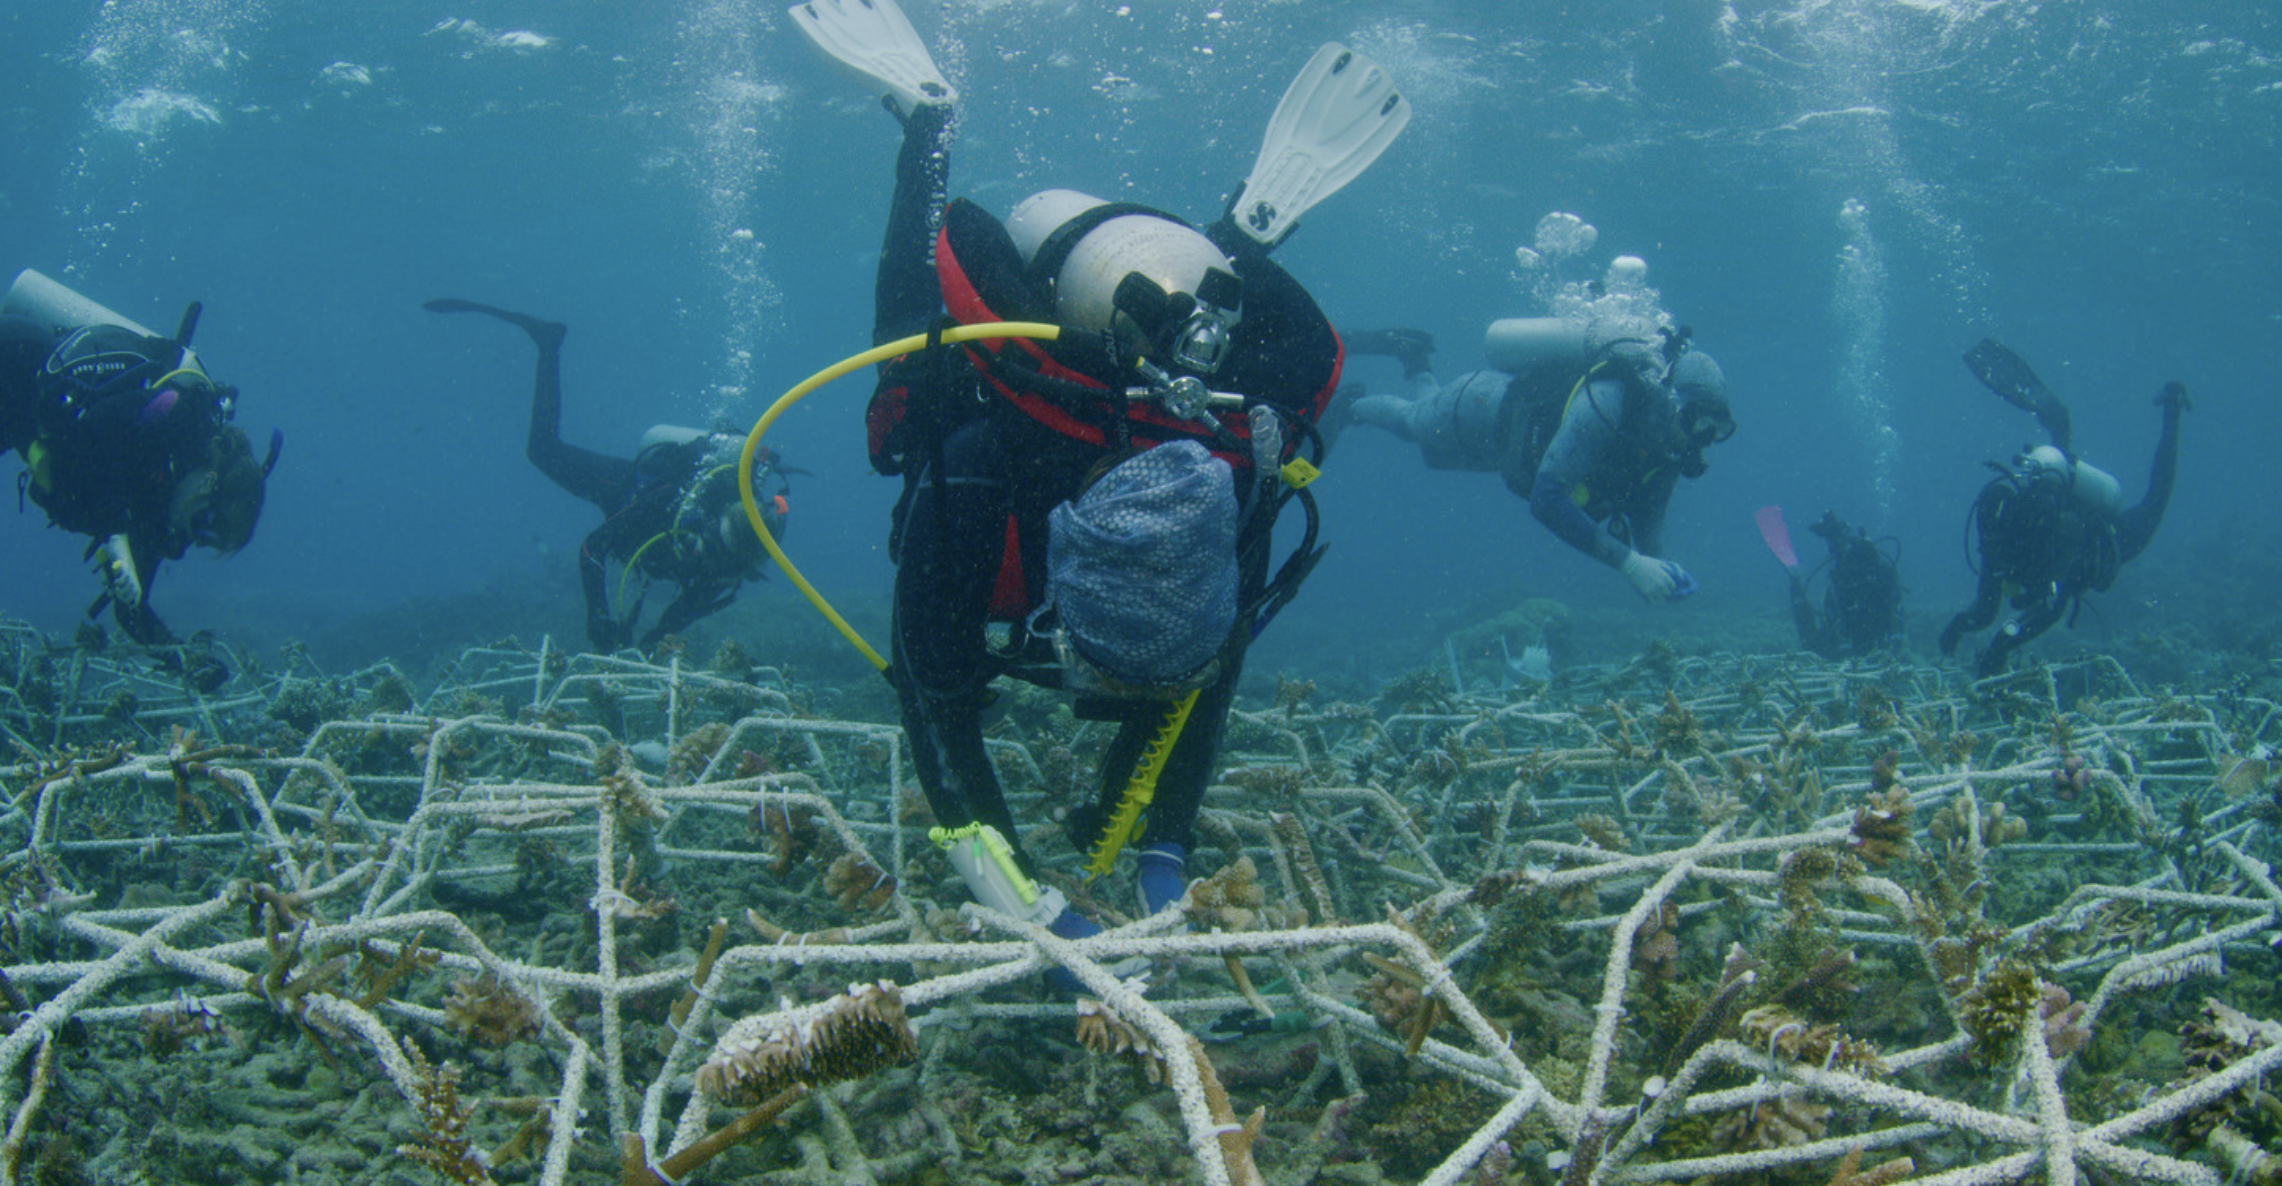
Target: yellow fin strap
[1141,789]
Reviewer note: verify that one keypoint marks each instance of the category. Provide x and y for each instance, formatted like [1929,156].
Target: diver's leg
[2136,526]
[954,533]
[595,477]
[1811,634]
[906,294]
[2008,374]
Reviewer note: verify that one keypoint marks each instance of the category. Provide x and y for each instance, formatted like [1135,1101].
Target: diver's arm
[603,631]
[1587,432]
[1551,505]
[132,610]
[24,347]
[1987,597]
[1649,509]
[2019,632]
[694,601]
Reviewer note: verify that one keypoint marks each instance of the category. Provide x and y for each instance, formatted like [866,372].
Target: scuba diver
[1861,608]
[2051,527]
[1588,434]
[670,513]
[1109,496]
[128,441]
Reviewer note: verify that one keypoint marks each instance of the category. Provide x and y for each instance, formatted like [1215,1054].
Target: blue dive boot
[1164,875]
[1069,924]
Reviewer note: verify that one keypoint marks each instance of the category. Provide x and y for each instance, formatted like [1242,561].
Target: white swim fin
[1337,116]
[874,39]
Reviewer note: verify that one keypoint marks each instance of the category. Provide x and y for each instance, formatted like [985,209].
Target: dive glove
[1657,580]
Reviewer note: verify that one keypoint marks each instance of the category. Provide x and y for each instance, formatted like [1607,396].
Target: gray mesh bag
[1141,567]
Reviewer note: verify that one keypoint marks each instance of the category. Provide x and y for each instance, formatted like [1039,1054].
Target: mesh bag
[1141,567]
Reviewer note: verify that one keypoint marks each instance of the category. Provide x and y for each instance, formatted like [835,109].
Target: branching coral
[1882,826]
[1997,1008]
[484,1010]
[444,1147]
[1787,1036]
[859,886]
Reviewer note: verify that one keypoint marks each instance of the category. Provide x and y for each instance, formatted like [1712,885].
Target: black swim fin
[2008,374]
[542,331]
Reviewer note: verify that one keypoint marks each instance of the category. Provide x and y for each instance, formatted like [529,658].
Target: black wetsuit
[2040,539]
[1862,600]
[639,499]
[108,464]
[998,473]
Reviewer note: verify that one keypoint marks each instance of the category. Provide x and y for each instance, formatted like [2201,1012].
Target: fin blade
[875,40]
[1339,113]
[1777,535]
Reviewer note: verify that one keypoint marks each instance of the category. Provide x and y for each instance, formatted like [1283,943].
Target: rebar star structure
[1755,916]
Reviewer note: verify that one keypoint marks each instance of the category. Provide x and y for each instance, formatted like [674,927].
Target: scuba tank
[2092,487]
[58,307]
[1518,345]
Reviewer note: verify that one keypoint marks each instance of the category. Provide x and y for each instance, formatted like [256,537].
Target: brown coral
[486,1011]
[1996,1009]
[1770,1124]
[1230,900]
[858,885]
[1786,1035]
[1105,1033]
[1656,949]
[863,1030]
[693,751]
[1882,825]
[444,1147]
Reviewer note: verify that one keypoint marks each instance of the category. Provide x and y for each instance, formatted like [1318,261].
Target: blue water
[699,196]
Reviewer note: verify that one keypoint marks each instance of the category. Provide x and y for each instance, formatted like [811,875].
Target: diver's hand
[2173,397]
[1657,580]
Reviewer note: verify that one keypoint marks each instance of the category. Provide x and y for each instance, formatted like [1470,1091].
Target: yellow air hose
[1141,789]
[877,354]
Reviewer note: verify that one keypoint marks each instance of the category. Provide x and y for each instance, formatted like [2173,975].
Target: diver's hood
[1696,376]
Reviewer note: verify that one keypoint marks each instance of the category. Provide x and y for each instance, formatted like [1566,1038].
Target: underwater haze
[1840,196]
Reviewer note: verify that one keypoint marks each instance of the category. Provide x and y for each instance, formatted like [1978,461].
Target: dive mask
[1706,421]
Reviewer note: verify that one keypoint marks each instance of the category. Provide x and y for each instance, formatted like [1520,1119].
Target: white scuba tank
[1518,345]
[2093,487]
[58,307]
